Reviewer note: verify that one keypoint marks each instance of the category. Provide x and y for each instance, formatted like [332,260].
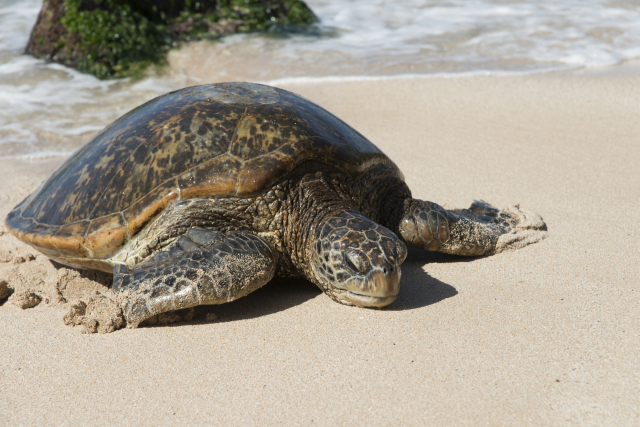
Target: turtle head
[356,261]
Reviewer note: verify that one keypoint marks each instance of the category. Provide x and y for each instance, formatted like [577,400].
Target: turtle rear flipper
[202,267]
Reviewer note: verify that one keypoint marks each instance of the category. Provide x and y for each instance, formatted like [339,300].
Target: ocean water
[50,110]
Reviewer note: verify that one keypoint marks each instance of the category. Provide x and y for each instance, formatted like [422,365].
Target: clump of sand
[29,279]
[99,314]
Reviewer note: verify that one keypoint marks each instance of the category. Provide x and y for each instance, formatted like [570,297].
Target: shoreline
[626,68]
[62,143]
[545,335]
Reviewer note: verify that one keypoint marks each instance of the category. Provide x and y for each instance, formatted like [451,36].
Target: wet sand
[545,335]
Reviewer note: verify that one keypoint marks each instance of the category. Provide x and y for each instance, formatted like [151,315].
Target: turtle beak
[378,288]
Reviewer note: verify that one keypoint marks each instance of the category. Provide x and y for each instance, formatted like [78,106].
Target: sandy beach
[545,335]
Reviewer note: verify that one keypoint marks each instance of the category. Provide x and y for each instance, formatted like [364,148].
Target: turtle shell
[221,140]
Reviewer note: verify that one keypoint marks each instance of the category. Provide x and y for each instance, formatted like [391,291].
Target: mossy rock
[119,38]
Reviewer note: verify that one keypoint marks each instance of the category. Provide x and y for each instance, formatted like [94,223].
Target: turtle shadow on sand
[419,289]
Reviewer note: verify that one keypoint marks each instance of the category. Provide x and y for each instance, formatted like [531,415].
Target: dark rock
[117,38]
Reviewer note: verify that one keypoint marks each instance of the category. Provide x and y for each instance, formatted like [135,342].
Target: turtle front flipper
[479,230]
[202,267]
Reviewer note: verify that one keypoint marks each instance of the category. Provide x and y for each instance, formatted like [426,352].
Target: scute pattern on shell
[224,140]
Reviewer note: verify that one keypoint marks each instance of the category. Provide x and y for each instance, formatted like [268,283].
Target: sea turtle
[202,195]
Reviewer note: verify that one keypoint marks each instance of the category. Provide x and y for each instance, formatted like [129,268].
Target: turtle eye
[357,261]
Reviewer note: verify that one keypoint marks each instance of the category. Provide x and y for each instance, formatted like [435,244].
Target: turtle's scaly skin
[202,195]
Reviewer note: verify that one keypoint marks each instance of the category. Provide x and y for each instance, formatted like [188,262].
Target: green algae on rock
[118,38]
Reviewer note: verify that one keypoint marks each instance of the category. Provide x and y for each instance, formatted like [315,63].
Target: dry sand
[545,335]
